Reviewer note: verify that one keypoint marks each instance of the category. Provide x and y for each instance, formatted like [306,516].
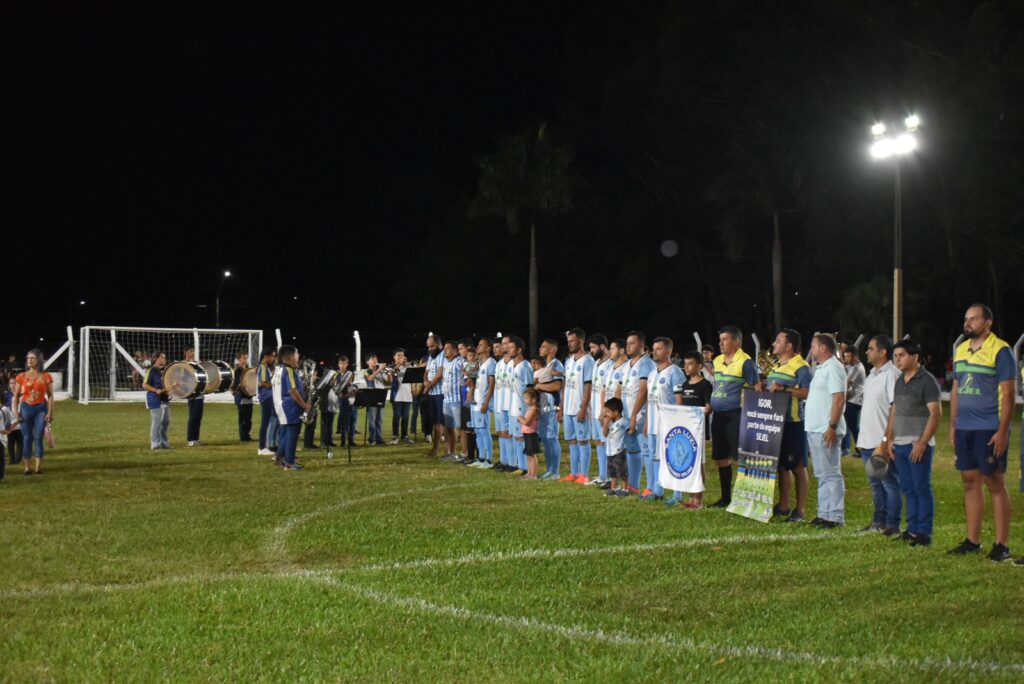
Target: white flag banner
[681,448]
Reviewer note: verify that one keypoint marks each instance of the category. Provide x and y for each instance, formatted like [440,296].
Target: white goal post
[114,359]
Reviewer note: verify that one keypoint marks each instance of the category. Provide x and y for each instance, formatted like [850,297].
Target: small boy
[289,405]
[614,427]
[696,391]
[8,425]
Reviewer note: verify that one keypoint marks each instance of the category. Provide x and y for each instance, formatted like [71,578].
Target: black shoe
[999,554]
[903,537]
[818,522]
[830,524]
[795,517]
[921,540]
[890,532]
[1019,562]
[965,547]
[779,513]
[721,503]
[606,485]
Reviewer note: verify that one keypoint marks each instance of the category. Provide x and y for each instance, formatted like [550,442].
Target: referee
[733,369]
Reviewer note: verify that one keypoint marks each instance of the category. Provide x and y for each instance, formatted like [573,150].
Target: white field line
[576,633]
[533,554]
[275,545]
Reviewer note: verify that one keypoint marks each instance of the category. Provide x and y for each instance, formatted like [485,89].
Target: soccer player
[432,378]
[502,400]
[910,437]
[483,393]
[521,379]
[634,400]
[665,386]
[552,376]
[791,375]
[602,366]
[733,369]
[579,379]
[980,411]
[289,402]
[451,371]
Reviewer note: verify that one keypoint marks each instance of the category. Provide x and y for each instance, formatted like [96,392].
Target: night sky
[330,157]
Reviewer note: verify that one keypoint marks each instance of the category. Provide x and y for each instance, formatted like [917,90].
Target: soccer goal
[113,360]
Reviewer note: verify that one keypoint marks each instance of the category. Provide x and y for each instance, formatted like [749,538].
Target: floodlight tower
[896,146]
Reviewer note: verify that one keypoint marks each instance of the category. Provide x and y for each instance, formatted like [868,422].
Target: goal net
[114,359]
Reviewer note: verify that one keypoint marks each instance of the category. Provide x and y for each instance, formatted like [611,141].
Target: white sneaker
[430,439]
[595,481]
[194,444]
[393,441]
[264,452]
[485,465]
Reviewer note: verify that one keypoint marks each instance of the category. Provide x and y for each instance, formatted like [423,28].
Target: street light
[227,274]
[894,147]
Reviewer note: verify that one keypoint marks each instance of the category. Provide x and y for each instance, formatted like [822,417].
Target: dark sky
[329,156]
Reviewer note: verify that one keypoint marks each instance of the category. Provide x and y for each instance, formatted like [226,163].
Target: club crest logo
[680,452]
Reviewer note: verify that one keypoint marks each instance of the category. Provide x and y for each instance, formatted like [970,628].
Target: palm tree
[524,180]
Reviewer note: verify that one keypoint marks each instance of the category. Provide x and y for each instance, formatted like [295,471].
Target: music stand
[368,398]
[414,375]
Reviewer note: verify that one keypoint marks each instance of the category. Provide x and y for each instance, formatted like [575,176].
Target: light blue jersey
[662,388]
[578,372]
[434,368]
[635,372]
[480,393]
[549,401]
[521,378]
[601,372]
[452,369]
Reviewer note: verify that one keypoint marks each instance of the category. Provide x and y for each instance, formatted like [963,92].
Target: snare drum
[185,379]
[248,385]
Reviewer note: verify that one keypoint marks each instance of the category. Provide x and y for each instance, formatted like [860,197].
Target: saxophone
[314,390]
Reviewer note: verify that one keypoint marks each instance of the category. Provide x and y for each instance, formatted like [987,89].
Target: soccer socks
[725,475]
[652,476]
[554,461]
[602,462]
[520,450]
[503,450]
[471,452]
[583,455]
[634,467]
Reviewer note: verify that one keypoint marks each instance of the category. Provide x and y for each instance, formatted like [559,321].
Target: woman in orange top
[33,402]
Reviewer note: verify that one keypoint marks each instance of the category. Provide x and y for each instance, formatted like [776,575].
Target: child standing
[697,392]
[289,404]
[529,421]
[614,427]
[8,425]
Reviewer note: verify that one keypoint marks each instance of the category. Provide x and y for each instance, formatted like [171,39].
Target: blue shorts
[453,415]
[437,409]
[481,421]
[501,421]
[793,452]
[632,442]
[596,431]
[515,428]
[974,453]
[577,430]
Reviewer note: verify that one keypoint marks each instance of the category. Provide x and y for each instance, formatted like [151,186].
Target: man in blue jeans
[878,390]
[910,439]
[825,427]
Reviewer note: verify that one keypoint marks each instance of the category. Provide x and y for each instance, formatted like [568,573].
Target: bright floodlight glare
[912,122]
[905,144]
[882,149]
[227,274]
[878,129]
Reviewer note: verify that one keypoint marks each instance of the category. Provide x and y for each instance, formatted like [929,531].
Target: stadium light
[893,147]
[227,274]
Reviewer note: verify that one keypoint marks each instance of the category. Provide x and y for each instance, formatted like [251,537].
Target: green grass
[209,564]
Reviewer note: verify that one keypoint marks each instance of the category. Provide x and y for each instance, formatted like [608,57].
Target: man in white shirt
[854,398]
[401,399]
[877,401]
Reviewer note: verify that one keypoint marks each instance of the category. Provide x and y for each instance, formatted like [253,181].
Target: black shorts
[467,421]
[974,453]
[617,469]
[531,443]
[725,435]
[793,452]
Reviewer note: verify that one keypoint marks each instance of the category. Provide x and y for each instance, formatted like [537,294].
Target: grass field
[122,564]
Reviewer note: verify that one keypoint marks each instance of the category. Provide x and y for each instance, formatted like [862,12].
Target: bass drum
[185,379]
[220,376]
[247,384]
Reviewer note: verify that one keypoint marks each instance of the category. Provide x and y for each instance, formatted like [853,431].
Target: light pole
[227,274]
[894,147]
